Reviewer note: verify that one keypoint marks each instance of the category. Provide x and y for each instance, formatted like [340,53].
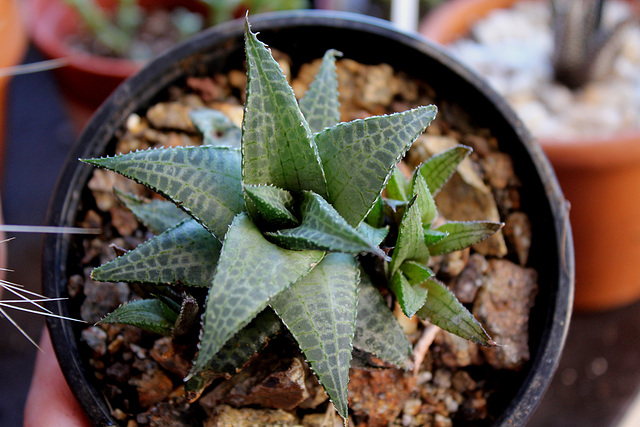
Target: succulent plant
[281,231]
[583,48]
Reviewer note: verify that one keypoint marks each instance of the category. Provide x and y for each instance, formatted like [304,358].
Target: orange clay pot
[13,42]
[600,177]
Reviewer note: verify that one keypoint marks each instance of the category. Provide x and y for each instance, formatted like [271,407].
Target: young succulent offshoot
[276,231]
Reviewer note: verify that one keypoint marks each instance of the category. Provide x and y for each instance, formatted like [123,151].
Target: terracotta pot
[88,79]
[13,41]
[221,49]
[600,178]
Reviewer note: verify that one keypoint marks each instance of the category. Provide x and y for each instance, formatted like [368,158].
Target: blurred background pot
[305,35]
[88,78]
[600,177]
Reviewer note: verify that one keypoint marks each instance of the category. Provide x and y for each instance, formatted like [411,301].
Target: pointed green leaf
[186,253]
[410,244]
[246,343]
[375,217]
[320,312]
[372,234]
[438,169]
[145,314]
[424,200]
[411,298]
[398,187]
[169,305]
[277,144]
[358,157]
[461,235]
[433,236]
[204,181]
[377,330]
[444,310]
[216,128]
[273,205]
[251,271]
[320,104]
[323,228]
[406,285]
[415,272]
[156,215]
[170,309]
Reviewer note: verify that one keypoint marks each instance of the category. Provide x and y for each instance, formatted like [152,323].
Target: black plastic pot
[306,35]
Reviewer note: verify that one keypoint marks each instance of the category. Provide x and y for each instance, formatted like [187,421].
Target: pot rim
[115,110]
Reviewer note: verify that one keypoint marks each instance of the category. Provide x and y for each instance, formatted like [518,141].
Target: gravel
[512,49]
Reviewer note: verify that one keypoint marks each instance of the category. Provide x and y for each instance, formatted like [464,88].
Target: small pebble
[96,339]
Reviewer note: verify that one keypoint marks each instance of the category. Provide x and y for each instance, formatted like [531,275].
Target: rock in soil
[502,306]
[226,416]
[268,383]
[467,283]
[378,396]
[102,298]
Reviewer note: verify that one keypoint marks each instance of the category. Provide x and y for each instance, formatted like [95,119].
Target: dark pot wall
[306,35]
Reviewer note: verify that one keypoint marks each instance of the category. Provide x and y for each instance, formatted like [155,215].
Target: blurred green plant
[117,28]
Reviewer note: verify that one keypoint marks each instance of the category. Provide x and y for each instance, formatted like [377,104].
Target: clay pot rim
[553,312]
[621,149]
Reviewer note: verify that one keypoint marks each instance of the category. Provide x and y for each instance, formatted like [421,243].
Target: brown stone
[268,383]
[467,283]
[457,352]
[247,417]
[517,230]
[503,307]
[498,169]
[170,115]
[378,396]
[152,387]
[166,356]
[330,419]
[123,220]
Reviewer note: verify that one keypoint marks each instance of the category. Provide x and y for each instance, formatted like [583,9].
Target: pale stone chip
[170,115]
